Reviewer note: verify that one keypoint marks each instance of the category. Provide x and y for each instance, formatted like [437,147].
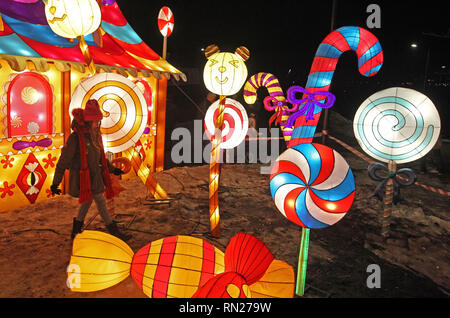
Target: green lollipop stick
[302,262]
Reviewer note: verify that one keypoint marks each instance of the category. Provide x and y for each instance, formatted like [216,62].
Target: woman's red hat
[92,111]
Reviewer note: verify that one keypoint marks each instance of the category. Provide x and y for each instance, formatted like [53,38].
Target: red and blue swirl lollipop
[312,185]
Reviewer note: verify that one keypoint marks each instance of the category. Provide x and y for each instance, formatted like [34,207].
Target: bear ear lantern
[225,72]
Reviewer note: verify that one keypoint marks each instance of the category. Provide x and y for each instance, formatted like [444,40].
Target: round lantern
[225,73]
[71,19]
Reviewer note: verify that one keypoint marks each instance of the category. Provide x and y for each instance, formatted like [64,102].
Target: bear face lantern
[225,72]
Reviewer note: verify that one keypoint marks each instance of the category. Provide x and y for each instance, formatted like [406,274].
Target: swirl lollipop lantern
[348,38]
[398,124]
[224,74]
[235,123]
[276,101]
[123,106]
[313,187]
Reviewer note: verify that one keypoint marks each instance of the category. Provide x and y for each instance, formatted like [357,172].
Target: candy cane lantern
[300,205]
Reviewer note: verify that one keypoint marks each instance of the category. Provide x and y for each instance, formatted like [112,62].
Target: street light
[427,62]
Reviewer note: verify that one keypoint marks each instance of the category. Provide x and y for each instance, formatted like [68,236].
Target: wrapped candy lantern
[179,266]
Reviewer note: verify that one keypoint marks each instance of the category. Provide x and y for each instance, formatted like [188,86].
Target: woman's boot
[114,230]
[77,226]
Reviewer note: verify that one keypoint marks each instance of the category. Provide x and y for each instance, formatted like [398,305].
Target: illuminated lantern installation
[312,185]
[370,59]
[31,178]
[276,101]
[235,123]
[396,125]
[224,74]
[166,23]
[123,105]
[176,266]
[30,106]
[71,19]
[246,261]
[39,72]
[74,19]
[146,90]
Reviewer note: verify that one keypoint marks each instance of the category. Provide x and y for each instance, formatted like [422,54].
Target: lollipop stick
[388,198]
[214,170]
[164,47]
[302,262]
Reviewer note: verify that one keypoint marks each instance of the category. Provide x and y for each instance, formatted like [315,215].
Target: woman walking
[89,170]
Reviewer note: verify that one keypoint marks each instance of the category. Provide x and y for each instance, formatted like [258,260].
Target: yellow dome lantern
[74,19]
[71,19]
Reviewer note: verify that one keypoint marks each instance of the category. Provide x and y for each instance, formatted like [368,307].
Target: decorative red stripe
[138,264]
[72,53]
[289,206]
[374,61]
[323,64]
[141,49]
[164,268]
[208,265]
[327,159]
[337,40]
[6,30]
[366,41]
[301,121]
[287,166]
[297,141]
[340,206]
[112,14]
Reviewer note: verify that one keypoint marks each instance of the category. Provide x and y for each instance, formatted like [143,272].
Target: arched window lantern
[29,105]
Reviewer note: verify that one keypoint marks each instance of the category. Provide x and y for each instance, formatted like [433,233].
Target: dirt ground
[35,244]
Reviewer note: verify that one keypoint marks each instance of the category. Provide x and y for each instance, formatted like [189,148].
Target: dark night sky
[284,34]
